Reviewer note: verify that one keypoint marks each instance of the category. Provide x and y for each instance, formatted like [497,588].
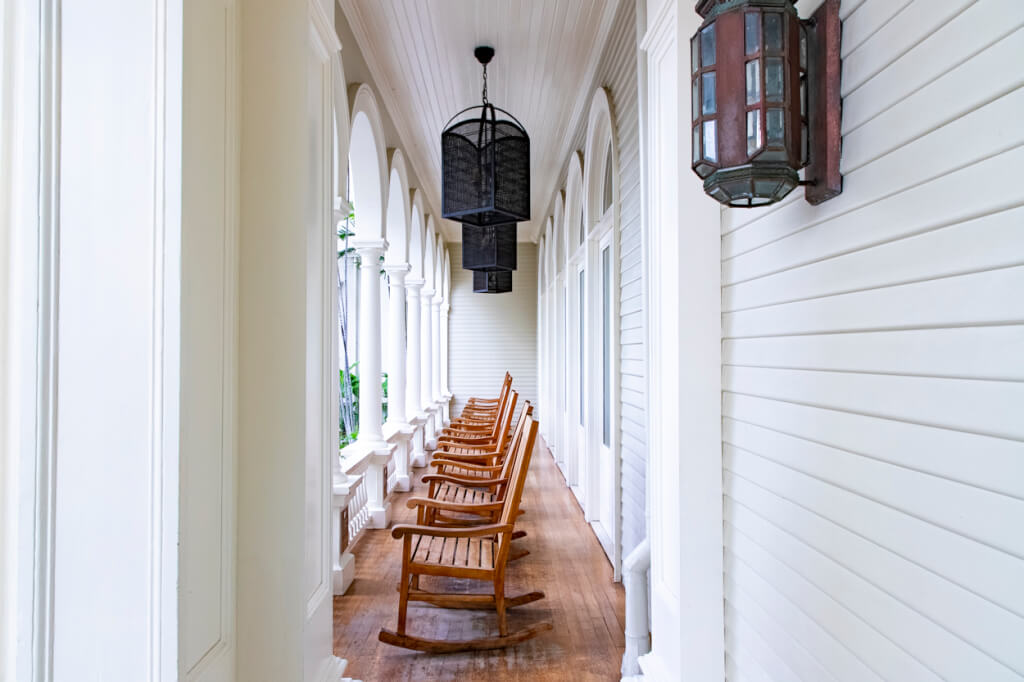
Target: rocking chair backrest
[504,422]
[510,456]
[520,468]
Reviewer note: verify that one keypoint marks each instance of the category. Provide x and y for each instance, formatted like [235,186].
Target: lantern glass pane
[752,32]
[753,82]
[805,144]
[707,46]
[696,98]
[694,54]
[710,141]
[773,79]
[708,92]
[803,96]
[775,126]
[773,31]
[696,143]
[753,131]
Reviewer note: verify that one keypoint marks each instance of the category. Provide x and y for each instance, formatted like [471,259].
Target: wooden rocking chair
[462,483]
[484,404]
[487,449]
[479,423]
[475,411]
[477,553]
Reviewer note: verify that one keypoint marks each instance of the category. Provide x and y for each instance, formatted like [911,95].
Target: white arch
[397,213]
[428,254]
[368,159]
[342,125]
[416,234]
[446,281]
[559,230]
[574,202]
[438,273]
[600,133]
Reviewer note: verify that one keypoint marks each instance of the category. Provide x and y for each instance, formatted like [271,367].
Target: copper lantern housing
[766,102]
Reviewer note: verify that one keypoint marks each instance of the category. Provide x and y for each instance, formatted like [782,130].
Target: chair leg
[403,598]
[499,602]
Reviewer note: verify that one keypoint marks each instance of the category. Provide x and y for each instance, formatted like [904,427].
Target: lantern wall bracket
[824,180]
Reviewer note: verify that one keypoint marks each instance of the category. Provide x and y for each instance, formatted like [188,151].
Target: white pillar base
[380,517]
[343,574]
[377,504]
[417,454]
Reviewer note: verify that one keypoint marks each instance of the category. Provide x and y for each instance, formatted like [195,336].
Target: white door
[607,474]
[579,387]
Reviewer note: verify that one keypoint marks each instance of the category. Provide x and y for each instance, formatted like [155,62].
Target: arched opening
[600,208]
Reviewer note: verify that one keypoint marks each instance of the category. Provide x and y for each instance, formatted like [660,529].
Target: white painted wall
[209,274]
[116,522]
[490,334]
[872,371]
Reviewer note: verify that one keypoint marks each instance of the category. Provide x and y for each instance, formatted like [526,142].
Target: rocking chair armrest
[403,530]
[414,502]
[469,481]
[461,441]
[468,466]
[474,458]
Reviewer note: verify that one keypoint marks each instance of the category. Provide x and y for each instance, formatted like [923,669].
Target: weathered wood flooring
[565,562]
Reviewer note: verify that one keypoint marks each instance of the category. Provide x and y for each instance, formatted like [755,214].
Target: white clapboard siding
[490,334]
[873,372]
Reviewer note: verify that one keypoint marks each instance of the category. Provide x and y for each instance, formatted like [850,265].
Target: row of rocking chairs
[466,524]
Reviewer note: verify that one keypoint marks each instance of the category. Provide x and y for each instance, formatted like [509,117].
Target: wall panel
[872,374]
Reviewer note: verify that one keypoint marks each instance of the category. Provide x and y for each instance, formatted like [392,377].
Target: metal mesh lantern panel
[496,282]
[488,248]
[485,169]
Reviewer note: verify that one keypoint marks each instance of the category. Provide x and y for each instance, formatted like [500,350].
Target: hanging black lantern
[496,282]
[489,248]
[766,101]
[485,164]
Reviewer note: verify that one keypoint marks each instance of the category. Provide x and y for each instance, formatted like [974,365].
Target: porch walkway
[565,562]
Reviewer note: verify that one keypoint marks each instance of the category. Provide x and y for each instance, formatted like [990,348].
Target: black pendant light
[496,282]
[485,163]
[489,248]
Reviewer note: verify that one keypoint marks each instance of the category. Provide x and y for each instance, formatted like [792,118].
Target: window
[565,340]
[582,348]
[583,230]
[606,343]
[607,194]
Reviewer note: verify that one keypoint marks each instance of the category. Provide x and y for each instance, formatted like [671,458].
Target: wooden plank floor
[566,562]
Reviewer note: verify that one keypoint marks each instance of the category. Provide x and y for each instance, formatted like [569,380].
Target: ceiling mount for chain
[484,54]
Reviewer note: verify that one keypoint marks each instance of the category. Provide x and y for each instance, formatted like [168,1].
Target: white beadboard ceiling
[420,53]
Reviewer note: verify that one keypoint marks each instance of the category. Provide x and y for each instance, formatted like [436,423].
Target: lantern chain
[485,83]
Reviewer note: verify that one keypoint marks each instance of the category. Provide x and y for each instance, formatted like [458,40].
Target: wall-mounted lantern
[489,248]
[485,163]
[496,282]
[766,101]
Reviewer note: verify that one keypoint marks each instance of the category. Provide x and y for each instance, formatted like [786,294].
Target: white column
[396,371]
[446,394]
[435,340]
[414,406]
[427,363]
[370,415]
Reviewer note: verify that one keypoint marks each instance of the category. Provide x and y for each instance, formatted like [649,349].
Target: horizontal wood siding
[873,376]
[490,334]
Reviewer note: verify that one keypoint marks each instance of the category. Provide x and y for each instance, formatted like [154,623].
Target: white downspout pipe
[638,636]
